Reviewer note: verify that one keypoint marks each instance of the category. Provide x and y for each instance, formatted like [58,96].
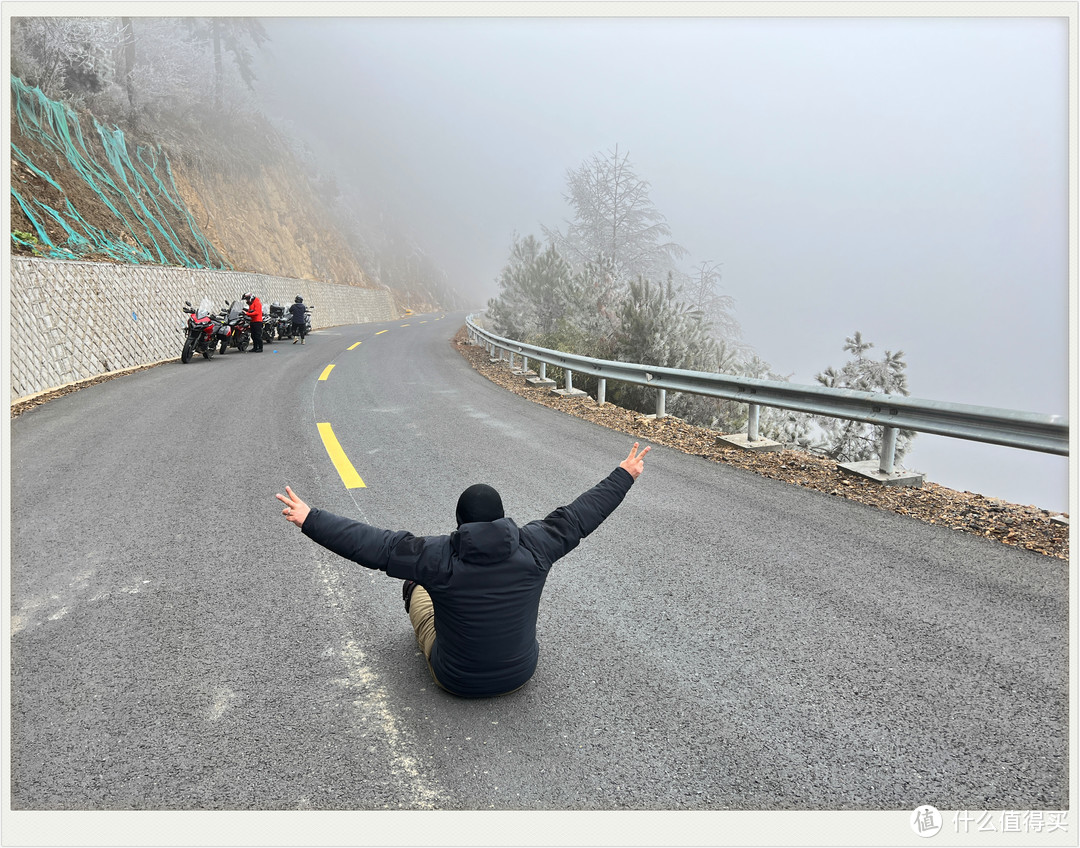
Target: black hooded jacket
[485,580]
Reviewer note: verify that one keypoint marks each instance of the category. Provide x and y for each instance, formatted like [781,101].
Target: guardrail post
[524,363]
[601,391]
[661,399]
[888,450]
[752,423]
[569,390]
[542,380]
[512,355]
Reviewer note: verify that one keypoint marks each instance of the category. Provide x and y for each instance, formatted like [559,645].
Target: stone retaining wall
[71,321]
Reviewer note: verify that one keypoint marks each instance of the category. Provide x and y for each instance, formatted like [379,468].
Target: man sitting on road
[473,596]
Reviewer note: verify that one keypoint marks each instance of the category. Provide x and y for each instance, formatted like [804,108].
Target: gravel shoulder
[1029,527]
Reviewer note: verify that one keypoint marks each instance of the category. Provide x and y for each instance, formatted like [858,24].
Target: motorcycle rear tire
[242,345]
[208,351]
[185,354]
[224,346]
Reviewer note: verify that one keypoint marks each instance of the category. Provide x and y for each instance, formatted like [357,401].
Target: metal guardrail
[1026,430]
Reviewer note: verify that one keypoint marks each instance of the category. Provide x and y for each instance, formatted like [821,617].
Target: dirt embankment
[271,222]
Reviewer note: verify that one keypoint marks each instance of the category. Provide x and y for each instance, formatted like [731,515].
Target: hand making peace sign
[635,463]
[295,510]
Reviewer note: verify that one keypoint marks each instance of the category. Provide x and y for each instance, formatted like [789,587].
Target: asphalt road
[722,642]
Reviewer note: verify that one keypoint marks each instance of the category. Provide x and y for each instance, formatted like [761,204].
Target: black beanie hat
[479,502]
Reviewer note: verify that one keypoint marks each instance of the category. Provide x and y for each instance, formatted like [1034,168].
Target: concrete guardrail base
[742,441]
[871,470]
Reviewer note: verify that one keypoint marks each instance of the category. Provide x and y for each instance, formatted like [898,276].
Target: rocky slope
[258,212]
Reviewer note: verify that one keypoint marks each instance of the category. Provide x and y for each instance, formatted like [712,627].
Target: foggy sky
[904,177]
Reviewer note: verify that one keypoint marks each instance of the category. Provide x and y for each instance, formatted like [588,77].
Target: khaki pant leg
[422,616]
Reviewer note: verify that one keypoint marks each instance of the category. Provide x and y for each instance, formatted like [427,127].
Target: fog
[903,177]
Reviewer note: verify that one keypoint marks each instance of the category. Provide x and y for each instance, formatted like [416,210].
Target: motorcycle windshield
[205,308]
[235,312]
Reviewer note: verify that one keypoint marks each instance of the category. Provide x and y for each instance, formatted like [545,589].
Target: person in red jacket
[254,314]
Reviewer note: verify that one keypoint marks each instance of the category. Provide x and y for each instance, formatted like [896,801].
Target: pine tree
[656,327]
[857,441]
[615,222]
[533,291]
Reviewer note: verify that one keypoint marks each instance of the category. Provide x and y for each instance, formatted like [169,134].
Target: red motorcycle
[203,331]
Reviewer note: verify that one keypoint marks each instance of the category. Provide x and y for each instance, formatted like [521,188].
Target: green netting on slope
[142,201]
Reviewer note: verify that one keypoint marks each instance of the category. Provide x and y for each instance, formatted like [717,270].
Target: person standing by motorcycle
[299,320]
[254,314]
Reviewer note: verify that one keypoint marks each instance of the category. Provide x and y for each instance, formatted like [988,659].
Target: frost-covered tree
[855,441]
[702,289]
[543,300]
[657,327]
[615,221]
[154,69]
[68,58]
[232,36]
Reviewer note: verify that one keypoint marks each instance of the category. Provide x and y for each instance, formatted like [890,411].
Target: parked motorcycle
[202,332]
[269,323]
[239,335]
[285,327]
[272,323]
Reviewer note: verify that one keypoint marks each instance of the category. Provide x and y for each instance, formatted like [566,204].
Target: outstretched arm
[562,530]
[369,546]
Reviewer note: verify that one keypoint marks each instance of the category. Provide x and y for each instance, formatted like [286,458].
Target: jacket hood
[485,542]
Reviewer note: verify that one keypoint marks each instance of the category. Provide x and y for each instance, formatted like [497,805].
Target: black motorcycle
[273,324]
[239,327]
[269,325]
[286,328]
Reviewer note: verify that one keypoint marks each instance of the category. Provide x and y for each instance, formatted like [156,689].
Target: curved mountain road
[723,641]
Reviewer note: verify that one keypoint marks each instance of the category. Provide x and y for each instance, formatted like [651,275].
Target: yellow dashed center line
[345,469]
[403,325]
[353,347]
[326,373]
[381,332]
